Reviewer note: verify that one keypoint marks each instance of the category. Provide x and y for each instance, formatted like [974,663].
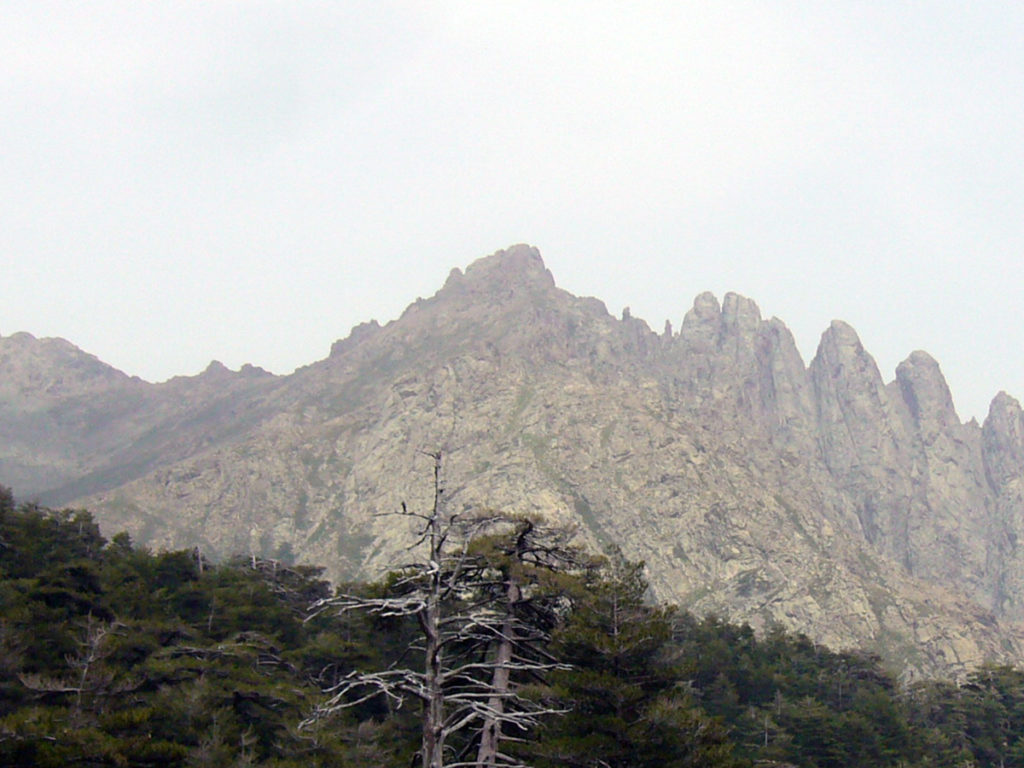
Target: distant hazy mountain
[819,497]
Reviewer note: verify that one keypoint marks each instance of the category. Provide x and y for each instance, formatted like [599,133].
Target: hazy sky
[182,181]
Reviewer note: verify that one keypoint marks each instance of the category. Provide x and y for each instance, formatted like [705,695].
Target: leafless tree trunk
[429,619]
[490,732]
[459,600]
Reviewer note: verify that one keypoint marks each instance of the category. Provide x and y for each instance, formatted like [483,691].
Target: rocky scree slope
[820,497]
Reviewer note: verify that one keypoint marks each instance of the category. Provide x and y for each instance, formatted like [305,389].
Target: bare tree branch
[476,596]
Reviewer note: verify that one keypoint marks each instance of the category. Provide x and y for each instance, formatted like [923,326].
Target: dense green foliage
[624,705]
[111,655]
[114,655]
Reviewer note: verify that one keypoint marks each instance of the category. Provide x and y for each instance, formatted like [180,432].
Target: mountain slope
[816,496]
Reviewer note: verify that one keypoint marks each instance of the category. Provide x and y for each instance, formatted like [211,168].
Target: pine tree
[626,707]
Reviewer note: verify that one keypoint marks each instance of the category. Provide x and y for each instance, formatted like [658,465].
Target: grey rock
[818,497]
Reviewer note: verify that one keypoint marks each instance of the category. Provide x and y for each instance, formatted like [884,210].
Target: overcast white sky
[182,181]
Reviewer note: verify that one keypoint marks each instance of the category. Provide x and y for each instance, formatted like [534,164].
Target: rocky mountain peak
[705,307]
[842,364]
[852,406]
[709,324]
[504,272]
[751,485]
[701,324]
[1002,437]
[840,340]
[736,315]
[1003,408]
[740,314]
[217,374]
[216,369]
[254,371]
[361,333]
[52,367]
[926,394]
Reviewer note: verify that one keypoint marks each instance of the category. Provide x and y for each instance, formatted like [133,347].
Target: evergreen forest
[114,655]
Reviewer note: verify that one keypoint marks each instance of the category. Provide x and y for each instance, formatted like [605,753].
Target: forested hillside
[114,655]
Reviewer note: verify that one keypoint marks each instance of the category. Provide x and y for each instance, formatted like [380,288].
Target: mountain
[818,496]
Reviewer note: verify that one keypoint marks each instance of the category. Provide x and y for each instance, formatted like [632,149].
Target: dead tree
[530,563]
[89,676]
[473,637]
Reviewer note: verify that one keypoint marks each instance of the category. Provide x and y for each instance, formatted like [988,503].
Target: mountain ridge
[814,495]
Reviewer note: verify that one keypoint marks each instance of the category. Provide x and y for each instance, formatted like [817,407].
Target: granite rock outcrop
[817,496]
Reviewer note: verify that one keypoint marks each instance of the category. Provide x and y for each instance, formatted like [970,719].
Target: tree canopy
[113,655]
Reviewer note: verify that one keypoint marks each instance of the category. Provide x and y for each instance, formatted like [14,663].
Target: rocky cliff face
[818,496]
